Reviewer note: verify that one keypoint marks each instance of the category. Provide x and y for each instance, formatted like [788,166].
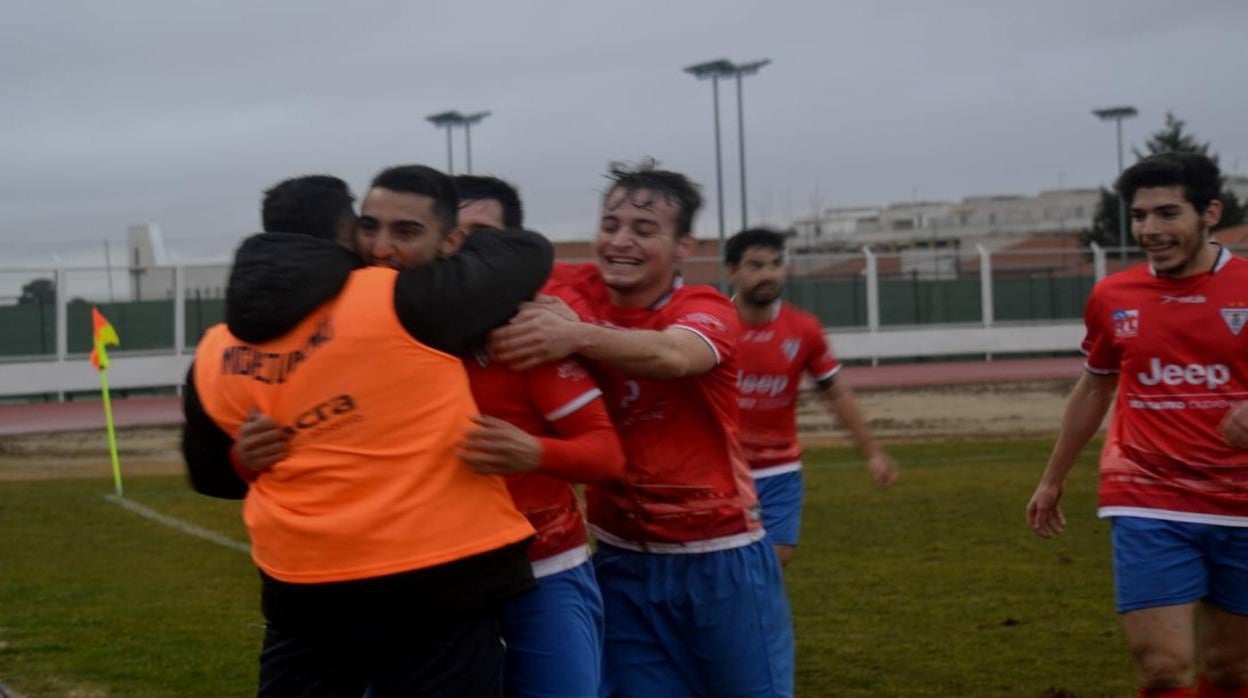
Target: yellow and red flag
[103,335]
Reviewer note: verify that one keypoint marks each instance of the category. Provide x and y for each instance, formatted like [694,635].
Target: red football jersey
[532,400]
[686,487]
[772,358]
[1181,355]
[562,285]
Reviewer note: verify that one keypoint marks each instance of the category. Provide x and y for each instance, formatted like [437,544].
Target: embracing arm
[538,335]
[452,303]
[207,449]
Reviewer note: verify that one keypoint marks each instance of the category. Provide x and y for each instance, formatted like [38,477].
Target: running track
[35,418]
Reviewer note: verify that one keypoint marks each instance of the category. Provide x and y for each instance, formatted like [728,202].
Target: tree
[1172,138]
[38,291]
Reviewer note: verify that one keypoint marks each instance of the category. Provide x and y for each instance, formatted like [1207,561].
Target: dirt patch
[142,451]
[991,410]
[997,410]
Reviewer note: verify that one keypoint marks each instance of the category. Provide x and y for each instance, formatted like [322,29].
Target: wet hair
[425,181]
[739,244]
[310,205]
[1197,174]
[675,187]
[475,188]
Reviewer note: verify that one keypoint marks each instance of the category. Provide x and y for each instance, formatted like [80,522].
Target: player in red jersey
[780,345]
[544,428]
[694,597]
[1168,338]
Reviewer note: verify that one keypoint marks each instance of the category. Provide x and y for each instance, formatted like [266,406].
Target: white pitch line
[179,524]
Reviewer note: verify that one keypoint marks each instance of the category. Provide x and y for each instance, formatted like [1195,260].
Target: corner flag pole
[112,433]
[103,334]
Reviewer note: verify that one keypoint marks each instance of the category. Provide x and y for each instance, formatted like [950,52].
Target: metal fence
[876,305]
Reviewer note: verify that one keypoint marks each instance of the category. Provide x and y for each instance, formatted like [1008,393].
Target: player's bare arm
[538,335]
[844,405]
[1085,410]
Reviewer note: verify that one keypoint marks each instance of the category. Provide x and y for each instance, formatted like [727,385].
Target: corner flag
[103,335]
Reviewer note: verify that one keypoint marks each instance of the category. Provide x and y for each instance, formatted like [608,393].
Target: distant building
[940,223]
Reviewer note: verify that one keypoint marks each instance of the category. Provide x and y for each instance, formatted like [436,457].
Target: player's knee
[1226,667]
[1163,668]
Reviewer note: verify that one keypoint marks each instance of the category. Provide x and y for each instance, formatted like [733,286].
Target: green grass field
[935,588]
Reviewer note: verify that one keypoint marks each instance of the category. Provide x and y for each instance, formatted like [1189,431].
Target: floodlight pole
[1117,114]
[447,120]
[740,71]
[468,121]
[715,70]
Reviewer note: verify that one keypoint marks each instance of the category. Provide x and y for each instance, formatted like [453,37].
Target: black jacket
[450,305]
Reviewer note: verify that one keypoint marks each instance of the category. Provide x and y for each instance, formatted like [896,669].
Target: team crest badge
[790,347]
[1235,319]
[1126,323]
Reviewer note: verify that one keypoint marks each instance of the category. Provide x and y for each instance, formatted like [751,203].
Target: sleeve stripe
[1100,371]
[706,339]
[573,405]
[824,376]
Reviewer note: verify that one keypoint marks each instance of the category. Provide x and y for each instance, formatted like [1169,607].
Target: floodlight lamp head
[446,118]
[718,68]
[1112,113]
[474,118]
[751,67]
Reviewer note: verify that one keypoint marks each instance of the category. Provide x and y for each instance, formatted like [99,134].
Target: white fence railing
[59,372]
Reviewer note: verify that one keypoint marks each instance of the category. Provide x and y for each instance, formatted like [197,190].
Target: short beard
[752,298]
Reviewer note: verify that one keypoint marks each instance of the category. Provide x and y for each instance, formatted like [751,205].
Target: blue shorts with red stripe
[698,624]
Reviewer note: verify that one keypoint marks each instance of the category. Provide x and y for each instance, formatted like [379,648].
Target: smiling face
[639,246]
[399,230]
[759,276]
[1172,233]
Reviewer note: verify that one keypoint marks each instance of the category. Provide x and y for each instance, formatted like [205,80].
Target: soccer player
[382,557]
[779,345]
[695,602]
[543,428]
[1168,337]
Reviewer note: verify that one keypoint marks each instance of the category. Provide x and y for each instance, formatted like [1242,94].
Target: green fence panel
[920,302]
[29,329]
[202,313]
[836,302]
[1041,297]
[141,325]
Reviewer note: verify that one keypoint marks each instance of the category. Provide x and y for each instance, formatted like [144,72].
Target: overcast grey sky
[181,113]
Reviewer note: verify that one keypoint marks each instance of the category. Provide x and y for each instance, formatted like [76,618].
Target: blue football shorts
[781,499]
[1166,563]
[698,624]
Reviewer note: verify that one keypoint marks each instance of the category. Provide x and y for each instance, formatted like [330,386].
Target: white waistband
[710,545]
[561,562]
[1168,515]
[790,467]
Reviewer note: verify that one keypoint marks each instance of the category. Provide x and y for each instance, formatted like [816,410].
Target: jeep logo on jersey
[322,413]
[1210,376]
[771,385]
